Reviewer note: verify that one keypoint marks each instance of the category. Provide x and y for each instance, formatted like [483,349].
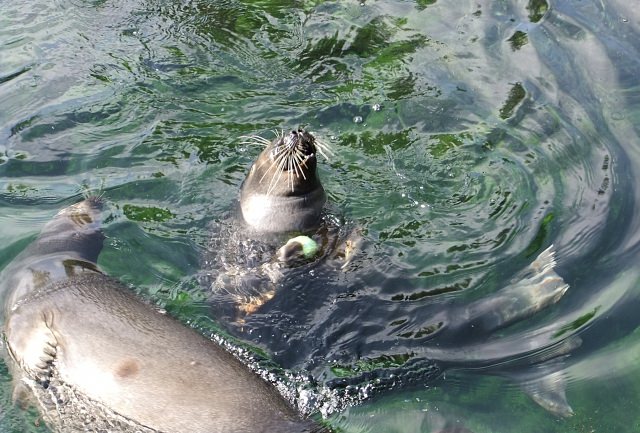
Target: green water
[468,137]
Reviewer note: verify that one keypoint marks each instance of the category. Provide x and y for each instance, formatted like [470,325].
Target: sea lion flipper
[548,389]
[347,248]
[21,396]
[538,287]
[32,344]
[351,246]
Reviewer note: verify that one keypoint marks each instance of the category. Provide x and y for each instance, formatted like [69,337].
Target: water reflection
[504,127]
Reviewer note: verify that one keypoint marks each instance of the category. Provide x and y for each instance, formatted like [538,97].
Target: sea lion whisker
[298,155]
[296,168]
[278,164]
[302,171]
[274,182]
[278,156]
[298,159]
[254,139]
[302,159]
[261,165]
[282,163]
[305,164]
[267,171]
[293,166]
[252,143]
[274,163]
[324,149]
[279,133]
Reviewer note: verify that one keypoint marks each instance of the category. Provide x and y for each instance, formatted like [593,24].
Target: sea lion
[282,192]
[282,224]
[95,358]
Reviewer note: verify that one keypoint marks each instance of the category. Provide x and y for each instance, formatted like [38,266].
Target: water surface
[468,137]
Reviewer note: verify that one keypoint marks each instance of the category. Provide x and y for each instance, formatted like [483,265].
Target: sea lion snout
[299,143]
[79,217]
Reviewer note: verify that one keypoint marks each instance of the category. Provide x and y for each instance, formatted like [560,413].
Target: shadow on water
[468,139]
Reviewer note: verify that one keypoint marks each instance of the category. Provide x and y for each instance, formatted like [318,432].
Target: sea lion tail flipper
[548,388]
[549,392]
[546,382]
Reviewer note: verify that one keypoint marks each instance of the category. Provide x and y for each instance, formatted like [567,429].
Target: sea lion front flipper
[347,248]
[537,287]
[350,247]
[22,395]
[32,343]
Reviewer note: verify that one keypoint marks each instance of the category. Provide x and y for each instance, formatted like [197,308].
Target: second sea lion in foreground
[94,358]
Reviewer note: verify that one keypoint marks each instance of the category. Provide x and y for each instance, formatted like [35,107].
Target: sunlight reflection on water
[483,136]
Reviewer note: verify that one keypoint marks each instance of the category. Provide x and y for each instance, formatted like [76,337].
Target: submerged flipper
[546,385]
[549,392]
[536,287]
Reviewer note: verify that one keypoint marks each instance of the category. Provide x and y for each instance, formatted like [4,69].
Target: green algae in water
[395,52]
[518,40]
[374,143]
[543,233]
[146,214]
[442,143]
[185,304]
[516,95]
[422,4]
[22,191]
[366,365]
[577,324]
[537,9]
[371,38]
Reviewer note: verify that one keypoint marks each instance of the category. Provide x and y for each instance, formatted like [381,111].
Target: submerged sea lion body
[95,358]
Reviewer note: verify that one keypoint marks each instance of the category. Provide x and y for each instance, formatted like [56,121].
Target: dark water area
[468,138]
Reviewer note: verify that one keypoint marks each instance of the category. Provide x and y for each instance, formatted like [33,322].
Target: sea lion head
[282,192]
[76,229]
[67,245]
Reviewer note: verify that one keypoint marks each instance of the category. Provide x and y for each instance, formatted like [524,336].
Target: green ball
[309,246]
